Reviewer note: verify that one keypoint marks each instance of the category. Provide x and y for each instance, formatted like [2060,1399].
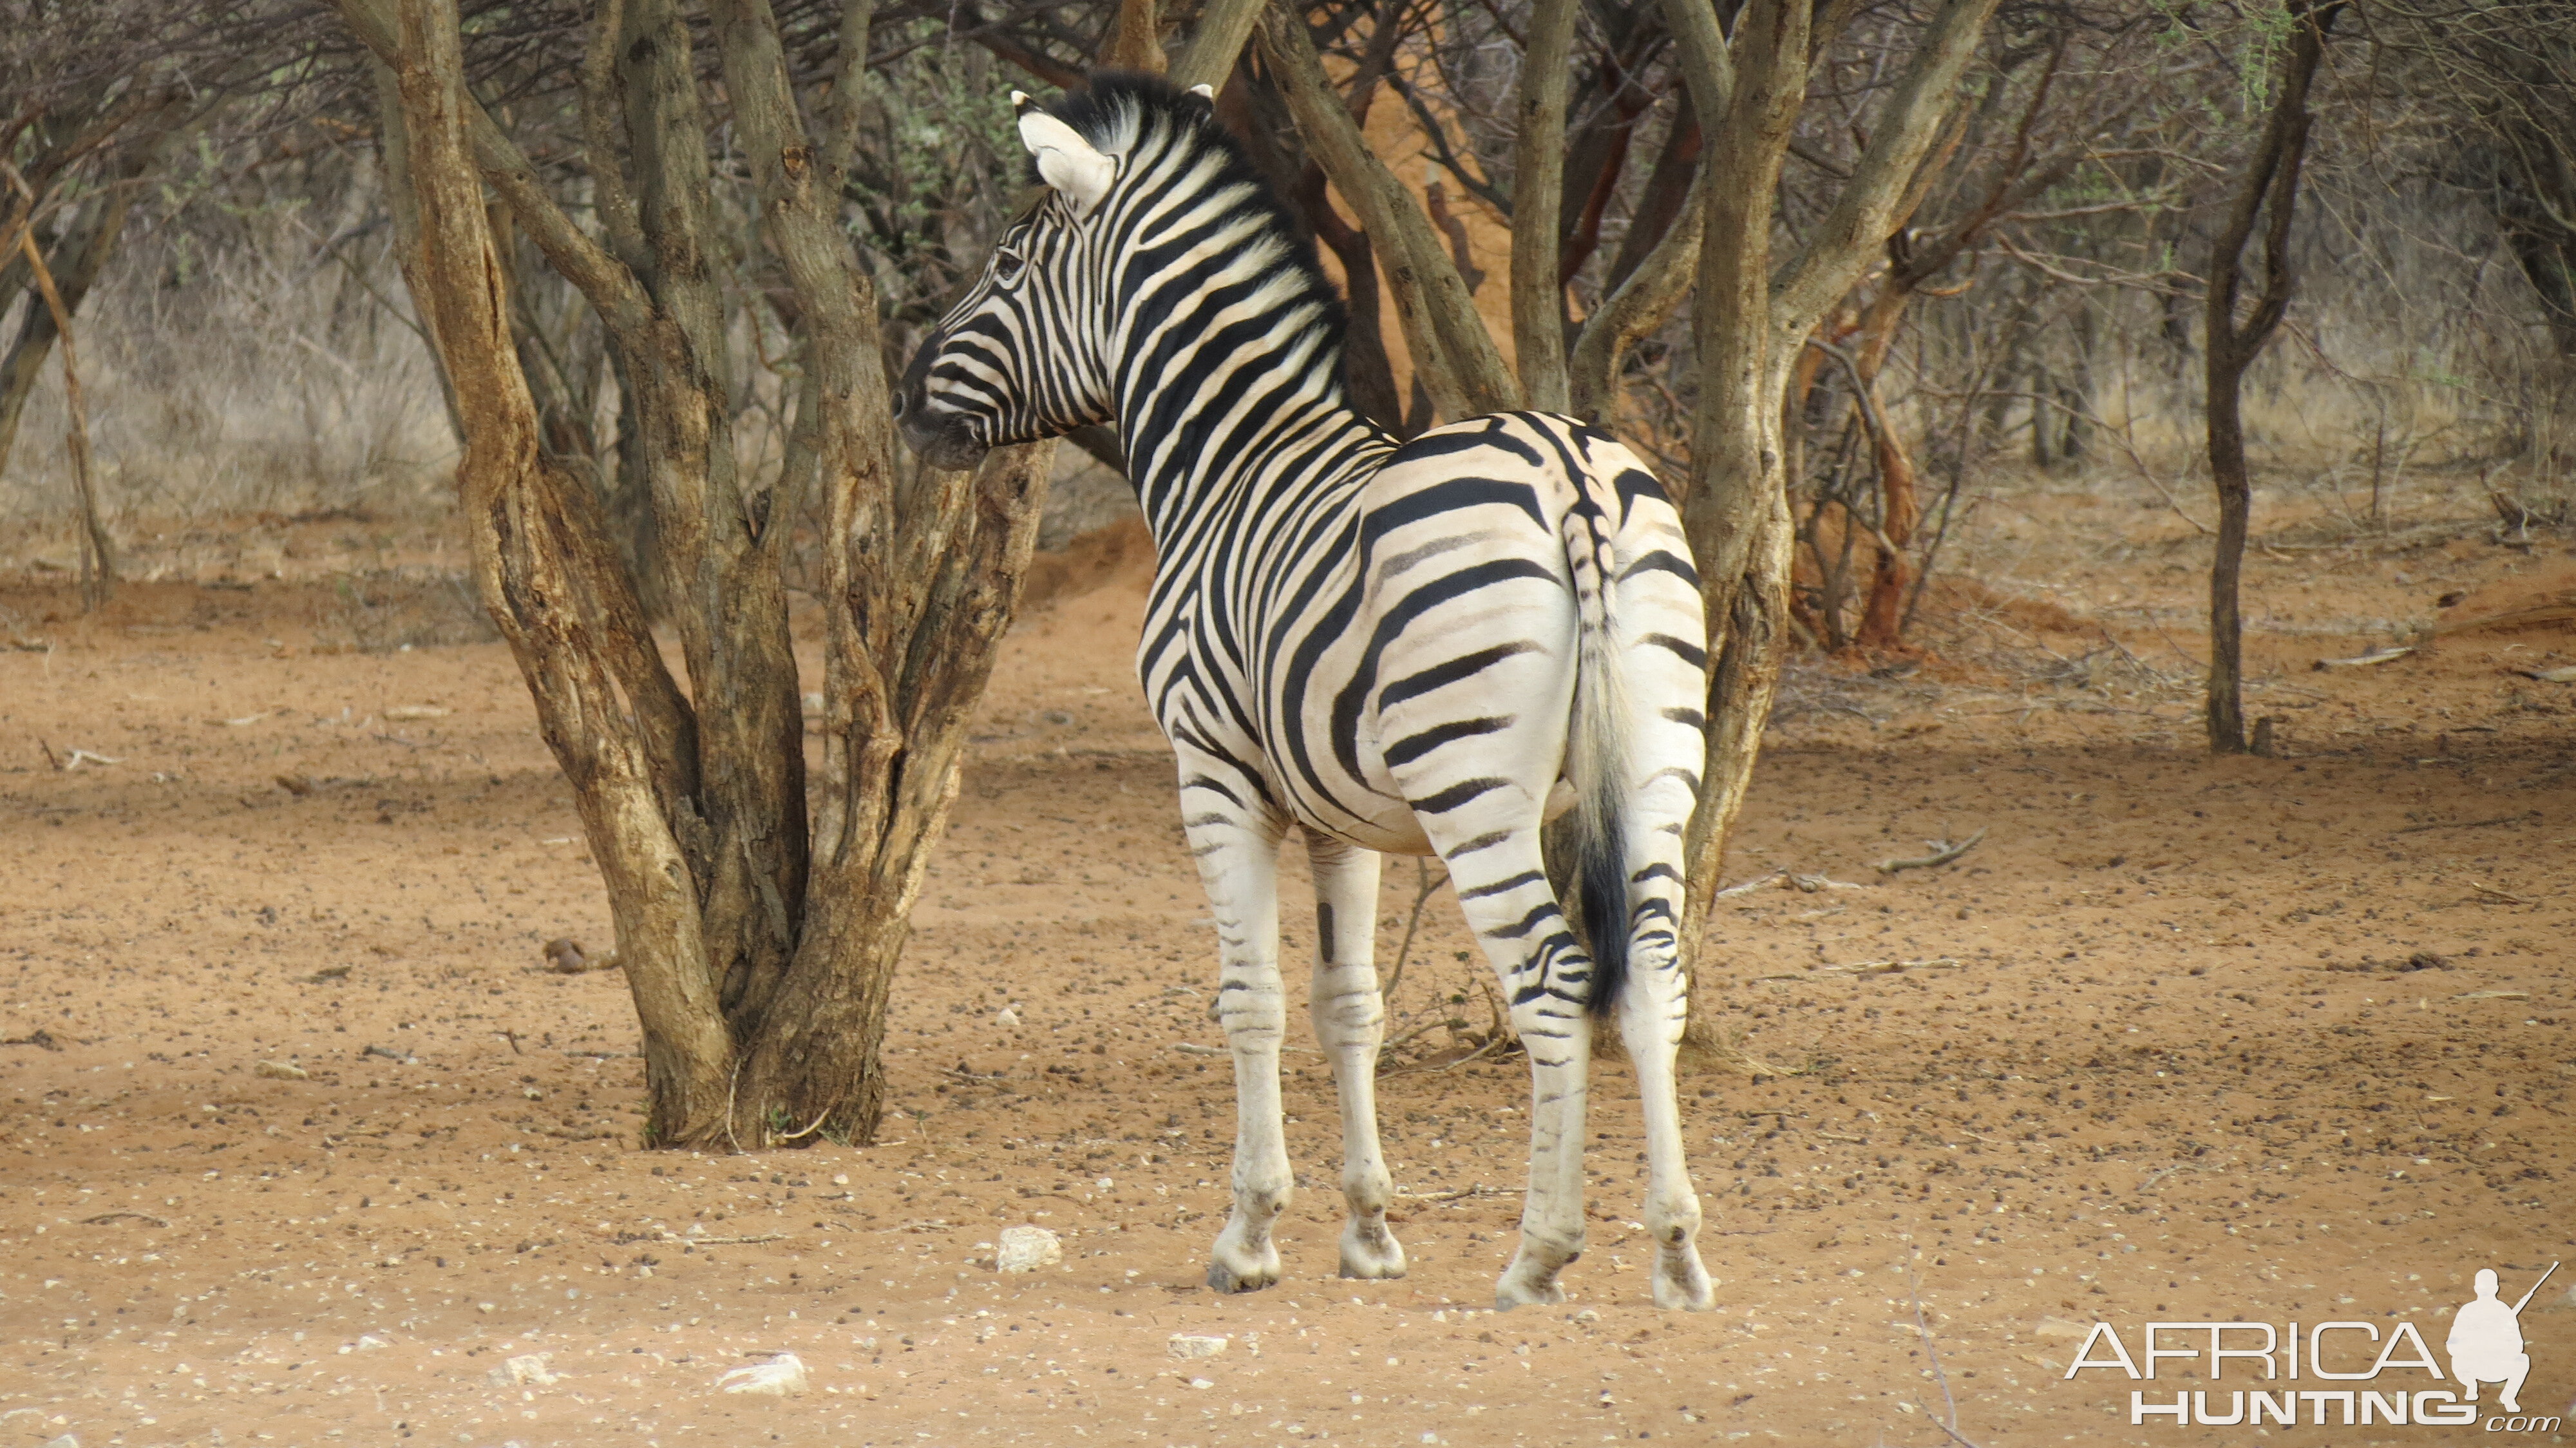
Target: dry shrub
[2542,600]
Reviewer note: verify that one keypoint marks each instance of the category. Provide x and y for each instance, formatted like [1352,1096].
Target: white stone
[1187,1345]
[1006,1018]
[1026,1249]
[783,1376]
[371,1340]
[527,1369]
[65,1441]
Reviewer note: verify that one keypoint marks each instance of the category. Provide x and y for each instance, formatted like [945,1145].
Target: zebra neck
[1254,447]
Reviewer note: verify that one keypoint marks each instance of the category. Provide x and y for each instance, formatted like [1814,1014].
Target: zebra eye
[1007,267]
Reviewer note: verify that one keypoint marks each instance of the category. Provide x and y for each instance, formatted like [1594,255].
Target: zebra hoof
[1233,1267]
[1370,1252]
[1682,1285]
[1225,1279]
[1528,1282]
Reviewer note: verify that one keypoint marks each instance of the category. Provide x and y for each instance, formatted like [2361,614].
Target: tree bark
[1135,40]
[2267,197]
[1538,187]
[1752,322]
[1453,356]
[759,946]
[78,254]
[97,550]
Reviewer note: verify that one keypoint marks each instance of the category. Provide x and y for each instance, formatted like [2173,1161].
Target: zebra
[1424,647]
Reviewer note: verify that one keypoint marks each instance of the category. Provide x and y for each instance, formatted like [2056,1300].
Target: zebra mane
[1121,111]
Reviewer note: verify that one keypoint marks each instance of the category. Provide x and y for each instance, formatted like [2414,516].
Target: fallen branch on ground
[2511,819]
[1943,852]
[2390,654]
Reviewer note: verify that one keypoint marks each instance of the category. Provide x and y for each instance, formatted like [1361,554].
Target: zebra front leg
[1238,858]
[1652,1011]
[1350,1025]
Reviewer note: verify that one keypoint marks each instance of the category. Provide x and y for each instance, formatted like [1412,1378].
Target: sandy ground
[2260,1040]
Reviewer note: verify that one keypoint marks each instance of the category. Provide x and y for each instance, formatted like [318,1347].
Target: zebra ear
[1204,92]
[1067,162]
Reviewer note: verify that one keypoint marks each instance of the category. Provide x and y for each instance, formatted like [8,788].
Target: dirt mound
[2545,598]
[1123,552]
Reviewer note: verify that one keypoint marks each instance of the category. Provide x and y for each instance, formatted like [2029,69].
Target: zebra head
[1013,360]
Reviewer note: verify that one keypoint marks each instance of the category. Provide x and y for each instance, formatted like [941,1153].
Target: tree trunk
[759,946]
[1453,356]
[2268,196]
[1752,322]
[80,251]
[1538,186]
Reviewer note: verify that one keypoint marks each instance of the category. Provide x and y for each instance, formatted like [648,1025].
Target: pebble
[279,1071]
[1197,1345]
[783,1376]
[1006,1018]
[526,1369]
[1026,1249]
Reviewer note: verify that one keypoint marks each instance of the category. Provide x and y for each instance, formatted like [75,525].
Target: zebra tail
[1596,758]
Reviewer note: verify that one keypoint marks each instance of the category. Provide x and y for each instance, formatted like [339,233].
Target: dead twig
[2511,819]
[2389,654]
[1749,886]
[1492,1044]
[1814,884]
[103,1218]
[42,1040]
[2492,893]
[1429,886]
[1391,1047]
[1943,852]
[1478,1190]
[1932,1355]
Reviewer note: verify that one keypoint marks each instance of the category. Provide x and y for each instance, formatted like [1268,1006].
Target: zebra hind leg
[1350,1024]
[1504,893]
[1238,863]
[1652,1011]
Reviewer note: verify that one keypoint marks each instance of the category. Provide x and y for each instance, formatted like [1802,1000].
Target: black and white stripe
[1416,648]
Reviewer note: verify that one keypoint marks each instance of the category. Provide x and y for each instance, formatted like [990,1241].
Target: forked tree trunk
[1753,316]
[758,946]
[2268,196]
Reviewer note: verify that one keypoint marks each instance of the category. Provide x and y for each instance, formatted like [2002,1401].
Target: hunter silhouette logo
[2485,1345]
[2486,1341]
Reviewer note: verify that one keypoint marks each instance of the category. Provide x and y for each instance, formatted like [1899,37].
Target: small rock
[783,1376]
[1026,1249]
[280,1071]
[1587,1315]
[1006,1018]
[371,1340]
[2060,1327]
[526,1370]
[1195,1345]
[65,1441]
[1201,1383]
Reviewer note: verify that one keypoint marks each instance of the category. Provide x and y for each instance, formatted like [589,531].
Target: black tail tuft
[1601,882]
